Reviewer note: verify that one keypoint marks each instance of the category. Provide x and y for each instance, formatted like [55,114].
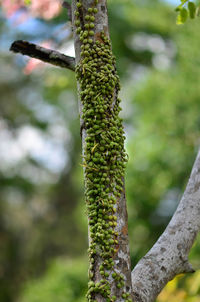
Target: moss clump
[104,154]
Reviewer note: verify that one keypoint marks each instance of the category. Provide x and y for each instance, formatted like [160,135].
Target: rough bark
[44,54]
[122,256]
[169,256]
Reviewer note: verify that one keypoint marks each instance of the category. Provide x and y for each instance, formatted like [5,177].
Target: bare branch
[44,54]
[169,255]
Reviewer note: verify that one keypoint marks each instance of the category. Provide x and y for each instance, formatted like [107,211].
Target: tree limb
[169,255]
[44,54]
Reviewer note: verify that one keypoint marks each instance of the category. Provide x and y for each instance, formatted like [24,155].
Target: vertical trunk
[103,154]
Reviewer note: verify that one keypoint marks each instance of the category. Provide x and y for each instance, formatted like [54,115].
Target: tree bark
[169,256]
[44,54]
[121,257]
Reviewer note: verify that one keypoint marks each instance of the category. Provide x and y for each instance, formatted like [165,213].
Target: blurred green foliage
[63,280]
[43,227]
[66,279]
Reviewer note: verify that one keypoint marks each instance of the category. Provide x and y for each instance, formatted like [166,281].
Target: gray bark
[169,256]
[44,54]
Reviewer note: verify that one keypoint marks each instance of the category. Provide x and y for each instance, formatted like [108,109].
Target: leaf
[178,8]
[192,9]
[182,16]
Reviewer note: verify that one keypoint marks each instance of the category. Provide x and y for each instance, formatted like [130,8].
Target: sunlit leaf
[178,8]
[182,16]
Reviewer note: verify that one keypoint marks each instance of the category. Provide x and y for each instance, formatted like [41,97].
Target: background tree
[153,98]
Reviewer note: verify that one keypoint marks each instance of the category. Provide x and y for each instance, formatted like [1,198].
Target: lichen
[104,158]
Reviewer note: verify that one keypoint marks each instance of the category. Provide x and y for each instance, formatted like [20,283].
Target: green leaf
[182,16]
[192,9]
[178,20]
[178,8]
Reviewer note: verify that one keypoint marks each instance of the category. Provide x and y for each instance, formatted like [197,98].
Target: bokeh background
[43,225]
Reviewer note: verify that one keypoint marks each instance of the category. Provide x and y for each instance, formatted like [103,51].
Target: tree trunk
[103,154]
